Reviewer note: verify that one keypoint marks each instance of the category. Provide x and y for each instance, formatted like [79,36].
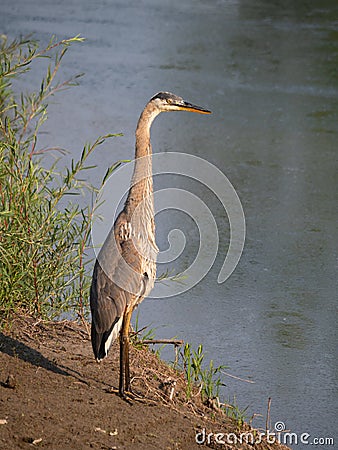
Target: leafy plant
[208,380]
[44,235]
[140,335]
[211,381]
[192,362]
[233,411]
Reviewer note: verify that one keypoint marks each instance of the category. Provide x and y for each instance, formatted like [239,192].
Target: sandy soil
[54,395]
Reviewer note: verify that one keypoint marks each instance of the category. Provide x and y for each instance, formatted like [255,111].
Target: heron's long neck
[142,181]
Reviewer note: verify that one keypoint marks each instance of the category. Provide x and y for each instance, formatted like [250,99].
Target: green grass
[207,379]
[44,233]
[140,335]
[233,411]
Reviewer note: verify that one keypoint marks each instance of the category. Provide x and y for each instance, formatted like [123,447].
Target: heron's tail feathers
[102,342]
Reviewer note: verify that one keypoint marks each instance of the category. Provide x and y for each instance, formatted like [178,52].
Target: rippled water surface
[268,70]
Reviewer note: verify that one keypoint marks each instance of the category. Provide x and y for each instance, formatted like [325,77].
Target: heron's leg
[124,353]
[122,365]
[126,361]
[126,369]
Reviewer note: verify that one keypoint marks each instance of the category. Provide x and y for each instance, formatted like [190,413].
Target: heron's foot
[126,396]
[129,395]
[119,391]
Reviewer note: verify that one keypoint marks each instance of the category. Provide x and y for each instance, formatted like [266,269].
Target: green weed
[44,233]
[208,380]
[139,335]
[233,411]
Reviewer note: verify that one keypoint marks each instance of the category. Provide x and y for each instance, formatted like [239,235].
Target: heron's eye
[169,100]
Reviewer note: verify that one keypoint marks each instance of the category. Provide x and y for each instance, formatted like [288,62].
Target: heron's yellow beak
[193,108]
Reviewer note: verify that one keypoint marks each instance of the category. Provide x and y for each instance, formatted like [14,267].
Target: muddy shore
[54,395]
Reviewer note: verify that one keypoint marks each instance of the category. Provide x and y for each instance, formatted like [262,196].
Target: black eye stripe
[167,96]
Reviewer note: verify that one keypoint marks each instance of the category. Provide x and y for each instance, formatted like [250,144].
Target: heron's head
[165,101]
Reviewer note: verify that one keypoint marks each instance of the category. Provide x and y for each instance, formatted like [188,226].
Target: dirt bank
[53,395]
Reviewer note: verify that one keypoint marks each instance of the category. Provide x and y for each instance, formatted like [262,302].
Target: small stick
[176,356]
[163,341]
[267,423]
[172,393]
[237,378]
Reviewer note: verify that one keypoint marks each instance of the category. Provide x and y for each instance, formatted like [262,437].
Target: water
[269,73]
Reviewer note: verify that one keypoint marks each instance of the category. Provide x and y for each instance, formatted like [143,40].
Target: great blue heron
[125,269]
